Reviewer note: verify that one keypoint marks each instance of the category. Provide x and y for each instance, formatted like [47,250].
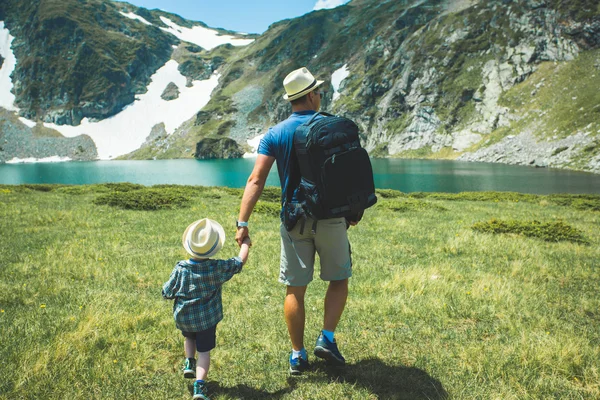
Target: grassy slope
[435,309]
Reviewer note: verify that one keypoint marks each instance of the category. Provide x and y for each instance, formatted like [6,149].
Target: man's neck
[302,107]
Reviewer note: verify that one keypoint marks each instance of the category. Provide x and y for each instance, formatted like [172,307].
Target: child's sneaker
[200,391]
[298,365]
[328,351]
[189,369]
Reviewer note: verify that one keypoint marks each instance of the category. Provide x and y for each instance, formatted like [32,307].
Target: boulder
[171,92]
[210,148]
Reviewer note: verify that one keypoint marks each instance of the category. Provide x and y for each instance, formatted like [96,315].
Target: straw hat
[298,83]
[203,238]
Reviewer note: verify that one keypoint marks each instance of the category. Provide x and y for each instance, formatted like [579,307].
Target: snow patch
[253,143]
[135,16]
[321,4]
[203,37]
[128,130]
[28,122]
[7,99]
[52,159]
[336,79]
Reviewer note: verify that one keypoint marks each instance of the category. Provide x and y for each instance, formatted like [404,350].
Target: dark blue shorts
[205,340]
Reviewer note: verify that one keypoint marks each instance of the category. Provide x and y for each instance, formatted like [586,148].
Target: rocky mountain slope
[482,80]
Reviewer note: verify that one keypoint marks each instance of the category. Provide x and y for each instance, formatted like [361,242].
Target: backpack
[335,173]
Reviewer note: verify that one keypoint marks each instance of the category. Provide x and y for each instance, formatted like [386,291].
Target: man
[328,237]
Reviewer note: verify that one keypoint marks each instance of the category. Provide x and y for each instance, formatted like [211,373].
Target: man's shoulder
[283,125]
[291,122]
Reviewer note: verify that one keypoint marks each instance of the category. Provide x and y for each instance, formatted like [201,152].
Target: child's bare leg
[203,365]
[190,347]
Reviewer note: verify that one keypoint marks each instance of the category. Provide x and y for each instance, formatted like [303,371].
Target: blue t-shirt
[278,142]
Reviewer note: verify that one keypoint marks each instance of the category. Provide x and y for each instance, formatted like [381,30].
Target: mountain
[489,80]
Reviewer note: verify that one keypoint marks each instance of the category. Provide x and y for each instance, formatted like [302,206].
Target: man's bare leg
[293,309]
[335,302]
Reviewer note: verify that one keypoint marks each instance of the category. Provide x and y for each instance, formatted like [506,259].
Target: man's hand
[241,234]
[352,221]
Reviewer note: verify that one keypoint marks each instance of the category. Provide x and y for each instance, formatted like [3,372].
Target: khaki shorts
[298,252]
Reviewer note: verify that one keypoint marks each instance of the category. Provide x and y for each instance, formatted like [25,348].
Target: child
[195,284]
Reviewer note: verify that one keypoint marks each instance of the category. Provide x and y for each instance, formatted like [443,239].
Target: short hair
[299,100]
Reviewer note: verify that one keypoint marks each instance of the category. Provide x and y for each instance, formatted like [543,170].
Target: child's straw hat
[203,238]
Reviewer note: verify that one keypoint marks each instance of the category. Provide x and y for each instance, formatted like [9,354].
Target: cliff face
[443,90]
[483,80]
[80,59]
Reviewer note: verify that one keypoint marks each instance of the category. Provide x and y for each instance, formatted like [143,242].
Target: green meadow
[454,296]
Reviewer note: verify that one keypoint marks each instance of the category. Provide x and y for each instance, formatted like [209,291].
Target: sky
[238,15]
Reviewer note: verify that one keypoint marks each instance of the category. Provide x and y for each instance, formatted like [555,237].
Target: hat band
[303,90]
[203,254]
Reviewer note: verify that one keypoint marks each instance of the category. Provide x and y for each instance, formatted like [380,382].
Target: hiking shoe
[328,351]
[200,391]
[298,365]
[189,369]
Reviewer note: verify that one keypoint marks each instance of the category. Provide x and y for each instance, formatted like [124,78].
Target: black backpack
[335,174]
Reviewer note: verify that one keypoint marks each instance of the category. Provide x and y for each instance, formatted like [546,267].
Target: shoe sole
[189,374]
[294,372]
[328,356]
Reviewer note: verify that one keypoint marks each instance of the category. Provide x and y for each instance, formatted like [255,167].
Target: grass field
[440,307]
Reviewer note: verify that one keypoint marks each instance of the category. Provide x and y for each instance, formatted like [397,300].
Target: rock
[158,132]
[464,139]
[171,92]
[209,148]
[19,141]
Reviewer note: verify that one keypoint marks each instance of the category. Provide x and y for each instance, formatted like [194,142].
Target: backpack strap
[323,113]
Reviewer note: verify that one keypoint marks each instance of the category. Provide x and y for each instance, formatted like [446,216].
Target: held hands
[242,235]
[245,244]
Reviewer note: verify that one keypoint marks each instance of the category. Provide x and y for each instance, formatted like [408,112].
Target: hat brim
[303,93]
[220,231]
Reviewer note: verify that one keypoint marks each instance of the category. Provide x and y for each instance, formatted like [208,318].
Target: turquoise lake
[399,174]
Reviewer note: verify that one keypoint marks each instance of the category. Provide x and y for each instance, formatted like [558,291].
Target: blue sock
[200,381]
[328,335]
[301,353]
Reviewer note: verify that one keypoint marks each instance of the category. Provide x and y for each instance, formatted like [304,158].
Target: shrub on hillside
[268,208]
[41,187]
[548,231]
[78,190]
[389,193]
[122,186]
[578,201]
[144,199]
[409,205]
[186,190]
[236,192]
[582,204]
[478,196]
[271,193]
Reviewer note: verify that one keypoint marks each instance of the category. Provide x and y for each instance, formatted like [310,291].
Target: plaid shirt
[196,288]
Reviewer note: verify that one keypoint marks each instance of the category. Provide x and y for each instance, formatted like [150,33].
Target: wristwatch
[240,224]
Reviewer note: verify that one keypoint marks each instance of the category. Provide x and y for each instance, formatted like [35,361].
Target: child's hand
[245,249]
